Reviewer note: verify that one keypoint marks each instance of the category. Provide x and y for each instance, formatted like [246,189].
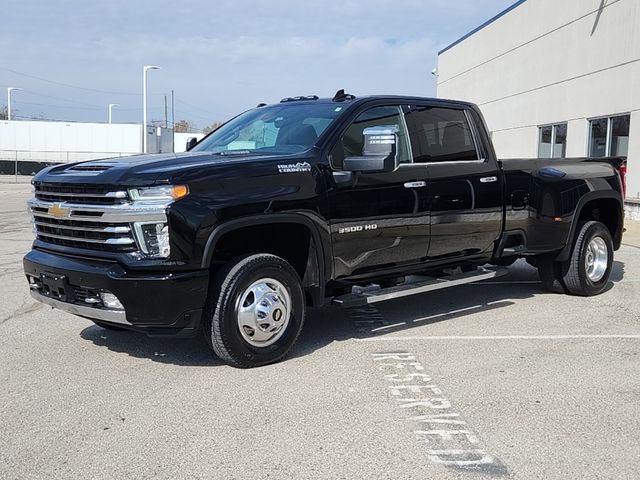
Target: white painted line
[453,312]
[500,337]
[507,283]
[438,315]
[387,327]
[525,282]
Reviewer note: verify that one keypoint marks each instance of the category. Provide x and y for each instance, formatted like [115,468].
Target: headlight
[153,239]
[163,193]
[153,236]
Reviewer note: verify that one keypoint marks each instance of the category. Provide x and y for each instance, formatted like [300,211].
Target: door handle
[419,184]
[488,179]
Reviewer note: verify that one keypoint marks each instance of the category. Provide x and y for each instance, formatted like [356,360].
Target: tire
[550,273]
[108,326]
[588,270]
[250,290]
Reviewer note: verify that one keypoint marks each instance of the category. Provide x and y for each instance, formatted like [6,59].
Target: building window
[553,141]
[609,136]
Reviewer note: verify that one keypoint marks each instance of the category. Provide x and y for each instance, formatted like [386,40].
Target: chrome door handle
[419,184]
[488,179]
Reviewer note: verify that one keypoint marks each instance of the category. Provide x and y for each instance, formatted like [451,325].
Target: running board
[421,285]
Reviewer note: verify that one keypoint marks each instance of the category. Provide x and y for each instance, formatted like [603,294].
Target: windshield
[277,129]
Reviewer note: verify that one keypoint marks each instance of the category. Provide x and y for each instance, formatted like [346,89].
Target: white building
[27,146]
[555,78]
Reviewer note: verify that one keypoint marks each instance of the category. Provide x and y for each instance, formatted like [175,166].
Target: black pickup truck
[310,202]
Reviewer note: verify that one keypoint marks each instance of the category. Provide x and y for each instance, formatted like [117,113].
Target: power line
[68,85]
[193,106]
[74,107]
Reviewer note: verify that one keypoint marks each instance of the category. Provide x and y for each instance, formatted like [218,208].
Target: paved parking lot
[494,380]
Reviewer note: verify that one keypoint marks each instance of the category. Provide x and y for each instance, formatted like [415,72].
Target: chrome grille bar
[106,241]
[118,229]
[118,194]
[119,213]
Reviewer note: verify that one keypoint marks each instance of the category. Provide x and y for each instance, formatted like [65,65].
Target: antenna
[340,96]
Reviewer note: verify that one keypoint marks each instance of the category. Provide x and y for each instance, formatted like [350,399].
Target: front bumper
[155,303]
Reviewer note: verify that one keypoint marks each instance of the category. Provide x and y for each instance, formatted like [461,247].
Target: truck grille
[86,194]
[94,217]
[82,216]
[111,237]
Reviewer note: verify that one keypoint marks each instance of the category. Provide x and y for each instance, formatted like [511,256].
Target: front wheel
[255,311]
[588,270]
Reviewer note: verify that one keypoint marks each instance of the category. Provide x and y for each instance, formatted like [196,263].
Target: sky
[220,57]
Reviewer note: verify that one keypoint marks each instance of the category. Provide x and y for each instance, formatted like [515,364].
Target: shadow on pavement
[190,352]
[327,325]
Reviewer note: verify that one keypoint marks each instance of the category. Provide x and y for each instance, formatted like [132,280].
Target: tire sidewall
[259,267]
[594,229]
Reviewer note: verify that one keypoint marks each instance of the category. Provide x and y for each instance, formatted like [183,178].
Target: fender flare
[231,225]
[565,253]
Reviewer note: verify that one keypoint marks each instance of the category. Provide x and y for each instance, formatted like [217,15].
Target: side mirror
[379,153]
[191,142]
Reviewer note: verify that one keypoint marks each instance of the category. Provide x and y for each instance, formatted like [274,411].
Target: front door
[378,220]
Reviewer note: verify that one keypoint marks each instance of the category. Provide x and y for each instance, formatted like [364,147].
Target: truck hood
[138,170]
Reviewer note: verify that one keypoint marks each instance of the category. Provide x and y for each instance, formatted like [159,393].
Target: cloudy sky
[74,57]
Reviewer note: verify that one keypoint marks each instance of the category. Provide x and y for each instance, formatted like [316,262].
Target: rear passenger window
[440,135]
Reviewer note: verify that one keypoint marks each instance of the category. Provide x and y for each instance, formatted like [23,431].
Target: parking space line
[396,338]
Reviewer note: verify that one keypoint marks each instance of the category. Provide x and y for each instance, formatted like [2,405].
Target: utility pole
[165,111]
[173,112]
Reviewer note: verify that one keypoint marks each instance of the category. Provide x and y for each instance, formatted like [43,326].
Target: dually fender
[321,244]
[565,253]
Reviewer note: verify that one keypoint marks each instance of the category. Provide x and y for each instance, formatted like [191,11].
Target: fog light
[109,300]
[153,239]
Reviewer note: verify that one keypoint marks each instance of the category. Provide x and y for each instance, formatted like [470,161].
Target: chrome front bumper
[113,316]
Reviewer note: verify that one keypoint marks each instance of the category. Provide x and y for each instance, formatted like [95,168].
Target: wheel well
[605,210]
[291,241]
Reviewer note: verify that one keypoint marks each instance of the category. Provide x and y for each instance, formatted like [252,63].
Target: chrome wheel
[263,312]
[596,259]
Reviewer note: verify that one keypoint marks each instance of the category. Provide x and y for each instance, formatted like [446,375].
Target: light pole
[144,104]
[9,90]
[111,105]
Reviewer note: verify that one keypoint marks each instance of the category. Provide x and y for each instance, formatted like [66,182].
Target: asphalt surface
[494,380]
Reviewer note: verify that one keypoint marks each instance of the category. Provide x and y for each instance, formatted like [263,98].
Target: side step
[422,284]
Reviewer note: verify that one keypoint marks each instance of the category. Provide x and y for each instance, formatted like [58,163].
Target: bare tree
[212,127]
[4,113]
[184,126]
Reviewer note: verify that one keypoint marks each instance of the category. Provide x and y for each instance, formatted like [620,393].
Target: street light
[144,104]
[9,90]
[111,105]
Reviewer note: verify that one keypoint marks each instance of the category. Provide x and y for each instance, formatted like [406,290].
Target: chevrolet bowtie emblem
[58,211]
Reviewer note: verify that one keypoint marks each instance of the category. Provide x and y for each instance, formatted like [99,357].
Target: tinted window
[352,141]
[440,135]
[544,144]
[609,136]
[278,129]
[552,142]
[598,138]
[620,136]
[560,141]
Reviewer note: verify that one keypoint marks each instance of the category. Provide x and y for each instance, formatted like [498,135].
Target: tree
[184,126]
[214,126]
[4,113]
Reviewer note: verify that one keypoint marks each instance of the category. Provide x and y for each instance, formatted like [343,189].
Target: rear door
[465,195]
[378,220]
